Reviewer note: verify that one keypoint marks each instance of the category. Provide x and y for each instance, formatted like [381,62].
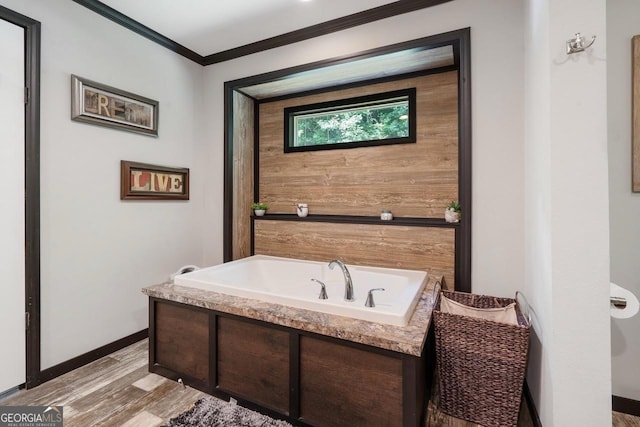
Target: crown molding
[328,27]
[324,28]
[135,26]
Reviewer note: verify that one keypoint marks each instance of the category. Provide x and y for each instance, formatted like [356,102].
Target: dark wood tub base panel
[304,378]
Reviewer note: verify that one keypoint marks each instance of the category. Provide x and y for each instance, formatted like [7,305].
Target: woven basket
[481,364]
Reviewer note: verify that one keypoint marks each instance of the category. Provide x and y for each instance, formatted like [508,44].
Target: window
[381,119]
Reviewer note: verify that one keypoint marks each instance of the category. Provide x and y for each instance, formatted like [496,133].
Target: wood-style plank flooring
[118,390]
[624,420]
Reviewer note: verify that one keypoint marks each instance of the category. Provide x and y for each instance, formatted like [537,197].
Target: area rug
[212,412]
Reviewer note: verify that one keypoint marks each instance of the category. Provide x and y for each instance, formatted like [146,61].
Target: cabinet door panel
[182,340]
[345,386]
[253,362]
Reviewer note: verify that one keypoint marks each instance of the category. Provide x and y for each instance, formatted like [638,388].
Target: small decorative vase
[259,212]
[451,216]
[386,215]
[302,209]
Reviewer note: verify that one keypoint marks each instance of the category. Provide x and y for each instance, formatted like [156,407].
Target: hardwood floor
[624,420]
[118,390]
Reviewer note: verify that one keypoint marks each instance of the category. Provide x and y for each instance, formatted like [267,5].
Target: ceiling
[365,69]
[210,26]
[211,31]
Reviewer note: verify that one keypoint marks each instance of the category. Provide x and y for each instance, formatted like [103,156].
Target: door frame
[31,190]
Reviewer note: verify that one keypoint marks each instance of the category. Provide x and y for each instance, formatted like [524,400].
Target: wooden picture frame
[96,103]
[635,87]
[142,181]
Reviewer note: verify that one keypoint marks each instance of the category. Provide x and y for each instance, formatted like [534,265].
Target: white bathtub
[288,282]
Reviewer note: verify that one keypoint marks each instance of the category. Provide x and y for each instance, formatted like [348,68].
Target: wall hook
[577,44]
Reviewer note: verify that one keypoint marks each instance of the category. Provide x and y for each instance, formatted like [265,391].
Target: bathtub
[288,282]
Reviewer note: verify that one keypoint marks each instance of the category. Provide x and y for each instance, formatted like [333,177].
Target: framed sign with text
[141,181]
[103,105]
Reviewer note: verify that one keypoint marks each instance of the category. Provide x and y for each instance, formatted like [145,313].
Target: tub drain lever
[370,302]
[323,289]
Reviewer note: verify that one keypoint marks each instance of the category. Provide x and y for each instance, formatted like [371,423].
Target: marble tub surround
[408,339]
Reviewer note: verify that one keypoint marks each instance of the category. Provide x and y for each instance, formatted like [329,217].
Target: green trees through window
[385,118]
[362,124]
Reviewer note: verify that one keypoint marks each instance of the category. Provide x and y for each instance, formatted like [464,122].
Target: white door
[12,226]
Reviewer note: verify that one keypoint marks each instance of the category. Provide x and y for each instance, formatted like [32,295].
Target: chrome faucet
[348,284]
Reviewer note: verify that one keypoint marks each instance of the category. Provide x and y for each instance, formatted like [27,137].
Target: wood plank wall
[428,249]
[243,135]
[413,180]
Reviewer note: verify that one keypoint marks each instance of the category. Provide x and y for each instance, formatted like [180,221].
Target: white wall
[497,99]
[622,24]
[98,251]
[566,221]
[537,225]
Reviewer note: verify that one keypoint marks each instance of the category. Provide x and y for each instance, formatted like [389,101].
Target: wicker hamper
[481,364]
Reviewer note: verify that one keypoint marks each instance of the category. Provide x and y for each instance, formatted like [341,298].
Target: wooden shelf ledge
[357,219]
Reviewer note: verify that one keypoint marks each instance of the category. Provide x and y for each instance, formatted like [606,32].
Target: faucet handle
[370,302]
[323,289]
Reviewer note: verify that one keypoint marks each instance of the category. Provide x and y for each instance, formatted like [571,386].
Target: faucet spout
[348,284]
